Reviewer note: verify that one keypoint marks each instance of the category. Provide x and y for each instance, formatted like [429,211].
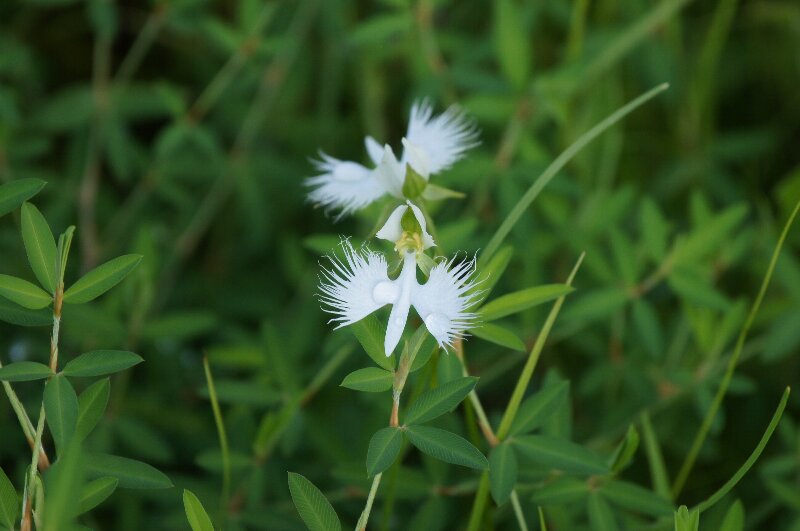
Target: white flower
[359,285]
[432,144]
[392,230]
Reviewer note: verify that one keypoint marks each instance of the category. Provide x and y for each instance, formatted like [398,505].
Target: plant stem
[30,482]
[223,436]
[362,521]
[527,371]
[518,510]
[699,439]
[144,39]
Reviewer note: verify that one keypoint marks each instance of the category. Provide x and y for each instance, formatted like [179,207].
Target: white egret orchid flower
[355,287]
[432,144]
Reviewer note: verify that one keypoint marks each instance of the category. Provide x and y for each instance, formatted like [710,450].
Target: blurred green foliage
[181,130]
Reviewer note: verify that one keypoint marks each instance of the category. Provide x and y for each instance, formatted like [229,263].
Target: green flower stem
[223,436]
[362,521]
[533,359]
[518,510]
[481,497]
[558,164]
[30,482]
[700,438]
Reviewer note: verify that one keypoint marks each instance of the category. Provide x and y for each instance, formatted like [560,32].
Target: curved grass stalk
[702,433]
[558,164]
[223,436]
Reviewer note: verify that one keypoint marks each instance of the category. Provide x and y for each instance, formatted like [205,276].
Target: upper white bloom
[431,145]
[392,230]
[359,285]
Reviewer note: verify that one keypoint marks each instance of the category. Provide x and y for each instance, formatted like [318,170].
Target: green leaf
[383,449]
[40,246]
[15,193]
[195,513]
[91,406]
[446,446]
[686,520]
[511,43]
[439,400]
[560,454]
[693,288]
[534,411]
[625,450]
[596,304]
[132,474]
[24,371]
[370,333]
[502,472]
[601,516]
[63,487]
[562,491]
[100,362]
[448,368]
[655,229]
[96,492]
[636,498]
[370,380]
[709,237]
[101,279]
[16,315]
[435,192]
[9,502]
[61,407]
[498,335]
[647,327]
[522,300]
[24,293]
[315,510]
[734,518]
[421,347]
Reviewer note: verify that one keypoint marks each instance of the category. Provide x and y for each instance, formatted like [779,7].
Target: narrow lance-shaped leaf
[195,512]
[502,472]
[100,362]
[439,400]
[15,193]
[24,293]
[370,380]
[39,246]
[9,502]
[383,449]
[61,407]
[19,316]
[635,498]
[534,411]
[91,406]
[132,474]
[522,300]
[498,335]
[101,279]
[446,446]
[315,510]
[560,454]
[96,492]
[370,333]
[24,371]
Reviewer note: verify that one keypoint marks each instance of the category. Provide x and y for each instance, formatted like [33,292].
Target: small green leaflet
[100,362]
[498,335]
[522,300]
[636,498]
[132,474]
[502,472]
[560,454]
[446,446]
[61,406]
[96,492]
[439,400]
[195,513]
[9,502]
[315,510]
[24,371]
[91,406]
[370,334]
[535,410]
[370,380]
[24,293]
[101,279]
[383,449]
[15,193]
[40,246]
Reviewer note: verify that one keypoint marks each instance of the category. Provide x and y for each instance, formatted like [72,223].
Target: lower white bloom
[432,144]
[358,285]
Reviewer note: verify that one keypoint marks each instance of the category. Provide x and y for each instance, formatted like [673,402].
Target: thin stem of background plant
[699,439]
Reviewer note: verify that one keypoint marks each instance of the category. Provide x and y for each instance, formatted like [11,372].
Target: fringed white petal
[356,286]
[442,302]
[390,173]
[392,230]
[374,150]
[344,185]
[444,138]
